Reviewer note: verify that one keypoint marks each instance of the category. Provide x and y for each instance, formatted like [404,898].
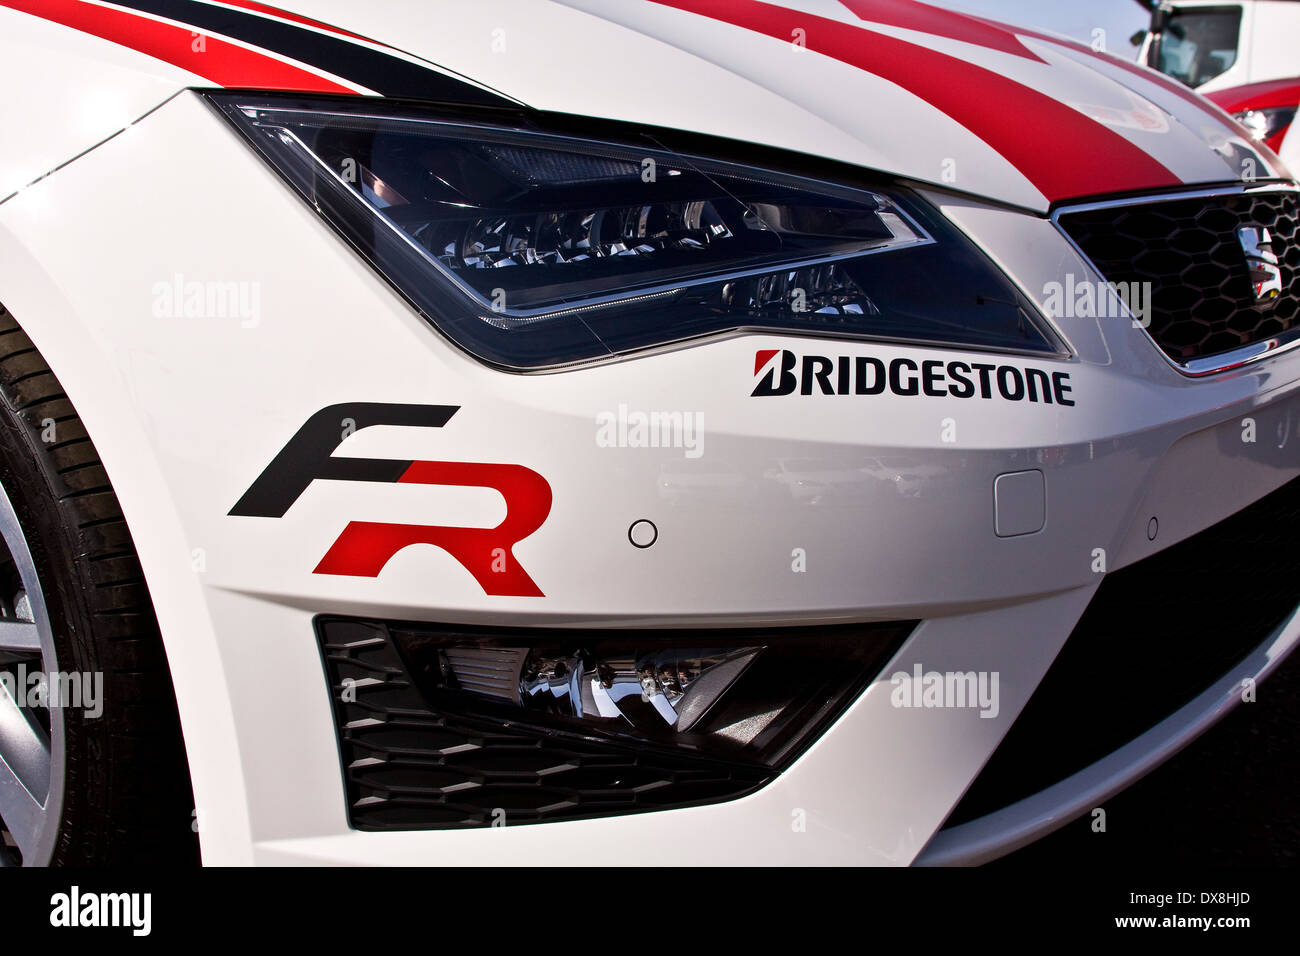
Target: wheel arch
[102,395]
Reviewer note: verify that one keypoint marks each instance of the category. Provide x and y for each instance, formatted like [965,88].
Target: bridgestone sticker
[792,374]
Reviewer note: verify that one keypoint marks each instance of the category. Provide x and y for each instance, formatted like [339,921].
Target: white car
[423,419]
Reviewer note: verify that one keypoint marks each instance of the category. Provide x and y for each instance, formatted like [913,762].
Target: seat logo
[1261,260]
[365,547]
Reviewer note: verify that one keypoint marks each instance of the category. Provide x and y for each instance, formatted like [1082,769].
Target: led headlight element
[679,685]
[532,250]
[750,696]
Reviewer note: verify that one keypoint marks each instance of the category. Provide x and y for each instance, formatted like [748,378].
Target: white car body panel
[186,413]
[70,92]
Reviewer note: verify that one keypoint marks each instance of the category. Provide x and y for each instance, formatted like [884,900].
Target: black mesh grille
[1203,302]
[1155,635]
[410,766]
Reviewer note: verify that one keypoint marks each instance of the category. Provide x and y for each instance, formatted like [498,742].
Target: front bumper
[187,411]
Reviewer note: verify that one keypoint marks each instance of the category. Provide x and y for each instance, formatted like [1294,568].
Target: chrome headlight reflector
[753,696]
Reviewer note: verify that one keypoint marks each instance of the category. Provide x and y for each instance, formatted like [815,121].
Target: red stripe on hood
[1145,73]
[1254,96]
[910,15]
[1060,150]
[220,61]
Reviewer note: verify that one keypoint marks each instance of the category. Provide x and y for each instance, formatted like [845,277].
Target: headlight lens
[532,250]
[1264,124]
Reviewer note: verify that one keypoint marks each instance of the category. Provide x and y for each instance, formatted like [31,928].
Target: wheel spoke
[23,817]
[31,756]
[24,773]
[24,746]
[16,542]
[19,636]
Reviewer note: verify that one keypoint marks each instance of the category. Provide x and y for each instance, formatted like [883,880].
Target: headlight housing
[533,250]
[1267,122]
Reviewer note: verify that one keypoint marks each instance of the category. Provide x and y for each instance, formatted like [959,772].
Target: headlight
[1265,123]
[532,250]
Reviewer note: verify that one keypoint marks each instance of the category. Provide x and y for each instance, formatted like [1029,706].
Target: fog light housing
[449,726]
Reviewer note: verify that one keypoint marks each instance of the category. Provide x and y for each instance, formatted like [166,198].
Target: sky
[1074,18]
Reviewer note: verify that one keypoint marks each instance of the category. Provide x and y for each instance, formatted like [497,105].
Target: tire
[118,788]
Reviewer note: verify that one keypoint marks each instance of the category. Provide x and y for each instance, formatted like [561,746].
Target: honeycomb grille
[1202,299]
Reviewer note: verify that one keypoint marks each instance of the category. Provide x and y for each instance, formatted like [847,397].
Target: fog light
[755,696]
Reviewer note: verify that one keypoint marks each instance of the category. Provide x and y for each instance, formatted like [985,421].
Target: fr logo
[365,547]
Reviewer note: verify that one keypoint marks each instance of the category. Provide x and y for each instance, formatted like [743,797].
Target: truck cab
[1212,45]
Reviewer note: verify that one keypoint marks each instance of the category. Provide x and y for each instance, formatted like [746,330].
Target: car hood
[1012,115]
